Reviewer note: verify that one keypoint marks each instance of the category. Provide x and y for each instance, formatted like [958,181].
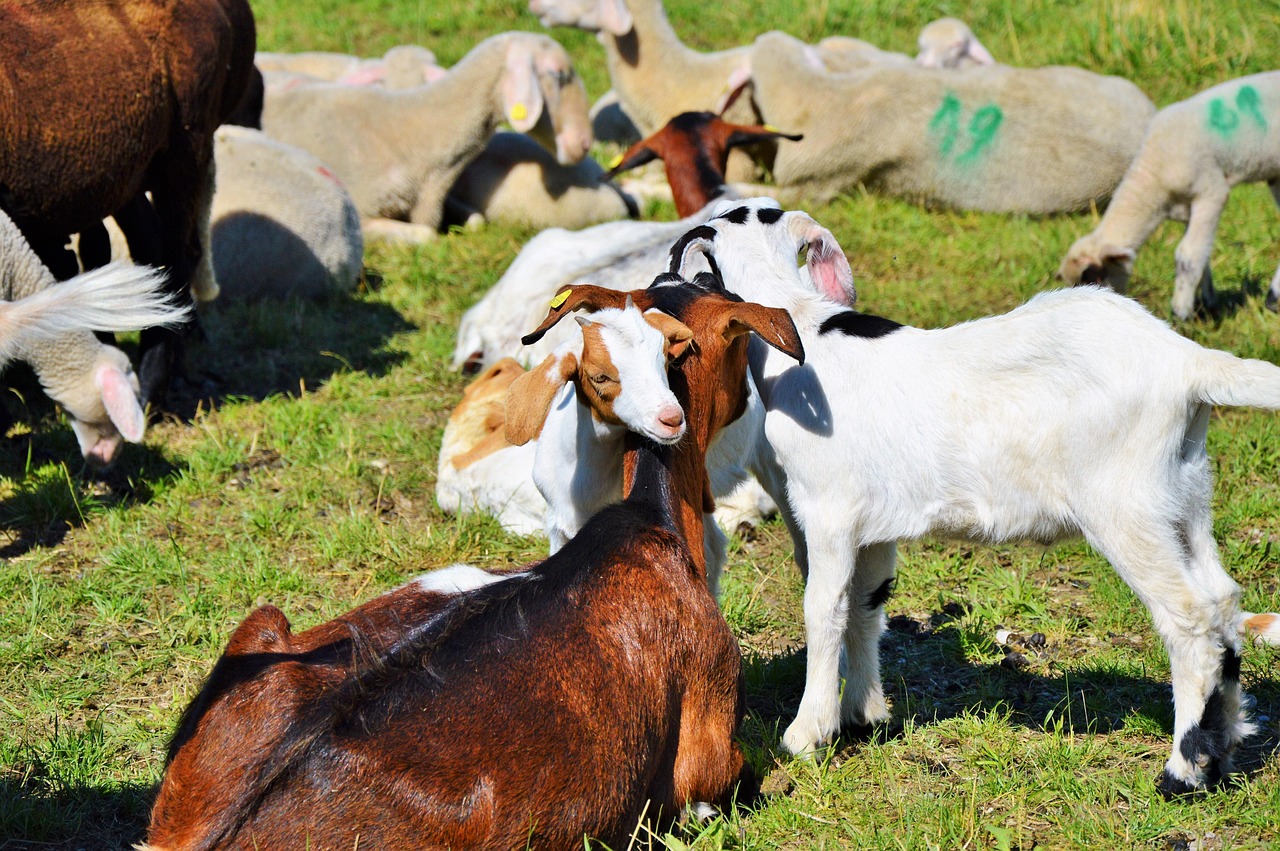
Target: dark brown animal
[694,149]
[105,100]
[596,690]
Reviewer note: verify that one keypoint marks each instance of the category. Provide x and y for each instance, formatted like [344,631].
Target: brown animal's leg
[709,764]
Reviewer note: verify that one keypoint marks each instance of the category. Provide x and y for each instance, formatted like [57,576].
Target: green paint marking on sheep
[1225,121]
[982,130]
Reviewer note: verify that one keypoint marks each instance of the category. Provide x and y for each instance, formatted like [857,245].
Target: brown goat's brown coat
[106,99]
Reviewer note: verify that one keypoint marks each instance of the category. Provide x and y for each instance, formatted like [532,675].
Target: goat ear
[677,334]
[615,17]
[121,403]
[636,156]
[827,266]
[521,96]
[530,396]
[574,297]
[773,325]
[748,134]
[697,241]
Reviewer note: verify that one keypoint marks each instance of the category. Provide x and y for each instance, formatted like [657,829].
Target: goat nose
[671,417]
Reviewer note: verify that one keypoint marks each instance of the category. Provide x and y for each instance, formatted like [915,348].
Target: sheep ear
[978,53]
[574,297]
[121,402]
[615,17]
[521,96]
[636,156]
[739,80]
[773,325]
[530,396]
[749,134]
[677,334]
[827,266]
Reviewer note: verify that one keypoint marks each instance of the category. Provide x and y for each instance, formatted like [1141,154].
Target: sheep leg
[1273,294]
[396,232]
[832,565]
[863,699]
[1193,252]
[1192,602]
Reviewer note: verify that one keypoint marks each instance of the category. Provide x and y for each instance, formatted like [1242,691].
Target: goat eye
[601,379]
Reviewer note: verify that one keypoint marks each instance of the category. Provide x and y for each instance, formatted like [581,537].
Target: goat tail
[117,297]
[1221,378]
[1261,629]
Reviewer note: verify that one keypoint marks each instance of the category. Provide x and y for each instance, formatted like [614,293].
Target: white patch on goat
[457,579]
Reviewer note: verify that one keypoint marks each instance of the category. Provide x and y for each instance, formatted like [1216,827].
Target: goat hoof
[1273,302]
[1174,789]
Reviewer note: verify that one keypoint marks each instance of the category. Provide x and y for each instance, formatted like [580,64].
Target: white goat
[1076,414]
[401,150]
[1195,151]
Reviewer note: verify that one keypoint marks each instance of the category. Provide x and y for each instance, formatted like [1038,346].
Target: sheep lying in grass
[400,151]
[889,432]
[400,67]
[944,43]
[993,138]
[1195,151]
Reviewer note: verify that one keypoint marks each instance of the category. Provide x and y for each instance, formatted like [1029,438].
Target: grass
[308,482]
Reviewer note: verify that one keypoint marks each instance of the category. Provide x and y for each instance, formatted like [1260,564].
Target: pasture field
[301,472]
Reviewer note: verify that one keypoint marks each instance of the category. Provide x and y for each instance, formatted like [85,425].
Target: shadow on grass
[928,678]
[75,817]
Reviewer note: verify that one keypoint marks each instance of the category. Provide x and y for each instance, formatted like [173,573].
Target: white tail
[117,297]
[1225,379]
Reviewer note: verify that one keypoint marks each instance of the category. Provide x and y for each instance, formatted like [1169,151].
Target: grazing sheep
[93,381]
[333,737]
[994,138]
[515,180]
[876,438]
[282,223]
[694,149]
[401,151]
[1194,152]
[149,83]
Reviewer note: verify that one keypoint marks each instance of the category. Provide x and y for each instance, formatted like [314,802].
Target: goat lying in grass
[596,690]
[1076,414]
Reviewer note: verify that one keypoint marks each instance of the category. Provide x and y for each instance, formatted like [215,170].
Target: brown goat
[111,99]
[598,689]
[694,149]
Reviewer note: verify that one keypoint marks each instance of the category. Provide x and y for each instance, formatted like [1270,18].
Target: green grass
[309,484]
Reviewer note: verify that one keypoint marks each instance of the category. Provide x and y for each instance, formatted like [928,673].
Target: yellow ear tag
[519,112]
[771,128]
[560,298]
[615,162]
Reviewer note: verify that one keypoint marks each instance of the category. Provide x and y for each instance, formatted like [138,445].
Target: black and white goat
[1020,426]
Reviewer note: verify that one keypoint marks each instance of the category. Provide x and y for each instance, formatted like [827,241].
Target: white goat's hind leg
[826,612]
[862,701]
[1273,294]
[1192,254]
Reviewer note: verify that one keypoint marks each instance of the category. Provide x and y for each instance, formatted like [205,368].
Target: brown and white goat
[694,149]
[395,725]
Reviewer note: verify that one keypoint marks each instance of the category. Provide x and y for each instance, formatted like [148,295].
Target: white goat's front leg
[862,701]
[826,614]
[1192,254]
[1273,294]
[715,547]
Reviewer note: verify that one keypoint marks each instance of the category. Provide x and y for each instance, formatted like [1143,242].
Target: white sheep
[400,67]
[1194,152]
[93,381]
[994,138]
[400,150]
[515,180]
[1077,414]
[282,223]
[949,43]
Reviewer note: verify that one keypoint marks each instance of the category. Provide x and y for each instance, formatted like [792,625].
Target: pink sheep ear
[829,269]
[615,17]
[121,402]
[978,53]
[521,96]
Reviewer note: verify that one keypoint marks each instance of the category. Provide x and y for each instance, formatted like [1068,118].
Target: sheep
[337,731]
[93,381]
[515,180]
[477,469]
[1194,152]
[403,150]
[892,432]
[993,138]
[944,43]
[654,75]
[148,85]
[401,67]
[282,223]
[694,148]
